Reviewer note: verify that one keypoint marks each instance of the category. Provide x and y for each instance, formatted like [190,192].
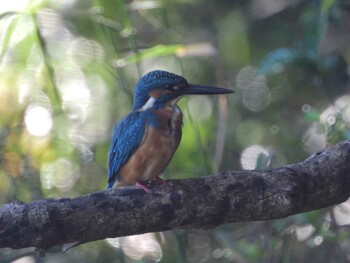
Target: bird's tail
[110,185]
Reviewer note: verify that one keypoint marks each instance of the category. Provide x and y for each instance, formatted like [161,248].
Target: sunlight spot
[314,139]
[340,110]
[343,101]
[306,108]
[24,27]
[245,77]
[60,173]
[26,259]
[331,120]
[196,50]
[318,240]
[257,95]
[13,5]
[328,116]
[341,214]
[46,175]
[250,155]
[304,232]
[227,253]
[119,63]
[24,93]
[144,5]
[139,247]
[76,98]
[344,104]
[346,114]
[38,120]
[114,242]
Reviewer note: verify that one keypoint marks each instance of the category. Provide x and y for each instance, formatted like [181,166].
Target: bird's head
[158,89]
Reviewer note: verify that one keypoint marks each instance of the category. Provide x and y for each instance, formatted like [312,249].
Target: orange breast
[156,149]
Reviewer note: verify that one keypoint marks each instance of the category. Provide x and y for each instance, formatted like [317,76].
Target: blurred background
[67,72]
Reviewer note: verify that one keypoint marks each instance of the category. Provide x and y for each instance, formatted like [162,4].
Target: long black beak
[194,89]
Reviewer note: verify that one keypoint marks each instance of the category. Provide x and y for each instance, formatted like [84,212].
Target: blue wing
[127,136]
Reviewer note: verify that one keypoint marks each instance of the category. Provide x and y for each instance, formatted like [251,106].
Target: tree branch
[319,181]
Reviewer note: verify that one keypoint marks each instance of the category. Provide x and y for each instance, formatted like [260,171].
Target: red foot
[145,188]
[159,180]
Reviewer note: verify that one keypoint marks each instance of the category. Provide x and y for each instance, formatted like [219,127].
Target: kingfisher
[145,140]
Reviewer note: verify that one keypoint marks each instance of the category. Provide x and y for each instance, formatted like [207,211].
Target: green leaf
[8,32]
[156,51]
[35,5]
[312,115]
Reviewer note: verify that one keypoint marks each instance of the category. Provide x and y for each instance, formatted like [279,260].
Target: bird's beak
[194,89]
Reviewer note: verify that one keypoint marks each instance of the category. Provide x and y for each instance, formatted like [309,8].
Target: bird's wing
[127,136]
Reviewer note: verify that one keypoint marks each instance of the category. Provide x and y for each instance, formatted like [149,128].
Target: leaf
[156,51]
[8,31]
[312,115]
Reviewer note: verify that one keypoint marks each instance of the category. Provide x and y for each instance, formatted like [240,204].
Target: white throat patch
[149,104]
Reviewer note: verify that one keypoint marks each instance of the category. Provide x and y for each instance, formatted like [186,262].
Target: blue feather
[127,135]
[153,80]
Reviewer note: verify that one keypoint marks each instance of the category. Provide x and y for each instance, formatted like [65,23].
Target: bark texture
[234,196]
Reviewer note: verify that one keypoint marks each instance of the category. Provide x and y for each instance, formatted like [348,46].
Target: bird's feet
[159,180]
[145,188]
[156,180]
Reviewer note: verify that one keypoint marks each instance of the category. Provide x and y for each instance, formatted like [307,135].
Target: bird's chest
[168,125]
[163,136]
[161,141]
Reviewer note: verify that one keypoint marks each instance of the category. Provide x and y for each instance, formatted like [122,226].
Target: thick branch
[320,181]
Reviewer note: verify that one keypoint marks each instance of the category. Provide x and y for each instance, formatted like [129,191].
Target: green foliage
[67,71]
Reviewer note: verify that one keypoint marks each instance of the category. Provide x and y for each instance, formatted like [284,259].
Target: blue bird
[145,140]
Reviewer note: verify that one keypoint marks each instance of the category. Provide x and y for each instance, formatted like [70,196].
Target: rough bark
[320,181]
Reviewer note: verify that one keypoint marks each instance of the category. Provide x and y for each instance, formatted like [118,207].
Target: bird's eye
[169,87]
[173,88]
[178,87]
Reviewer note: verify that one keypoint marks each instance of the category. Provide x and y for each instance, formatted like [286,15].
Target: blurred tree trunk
[234,196]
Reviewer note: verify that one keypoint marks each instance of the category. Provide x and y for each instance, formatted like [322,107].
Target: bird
[145,140]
